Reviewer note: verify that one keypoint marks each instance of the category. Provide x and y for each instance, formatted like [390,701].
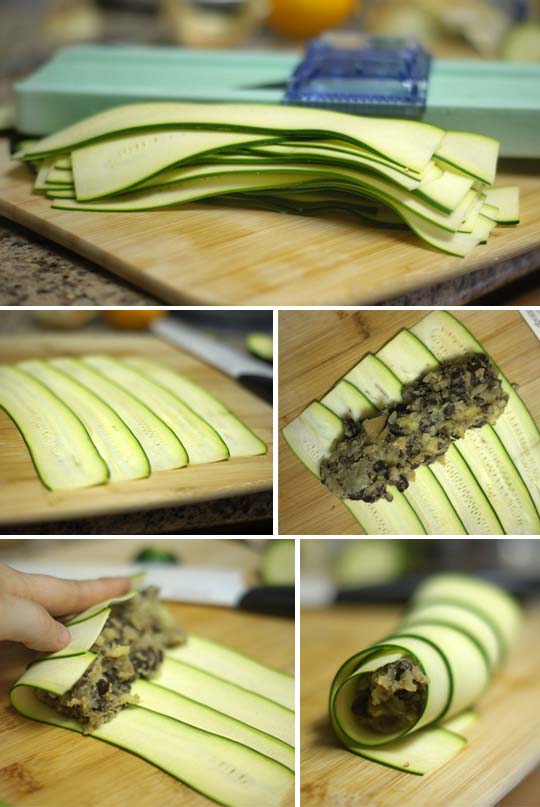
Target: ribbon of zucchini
[213,718]
[154,155]
[457,632]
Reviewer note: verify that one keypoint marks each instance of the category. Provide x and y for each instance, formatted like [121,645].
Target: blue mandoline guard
[346,72]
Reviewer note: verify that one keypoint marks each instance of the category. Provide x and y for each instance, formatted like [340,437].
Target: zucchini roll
[394,701]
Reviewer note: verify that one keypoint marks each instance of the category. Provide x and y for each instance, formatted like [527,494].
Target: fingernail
[63,634]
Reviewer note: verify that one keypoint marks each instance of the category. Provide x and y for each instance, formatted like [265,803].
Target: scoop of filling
[390,699]
[130,646]
[436,410]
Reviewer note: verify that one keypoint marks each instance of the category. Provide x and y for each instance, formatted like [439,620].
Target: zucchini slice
[238,437]
[222,769]
[442,647]
[162,447]
[236,668]
[496,607]
[506,200]
[58,176]
[310,437]
[112,166]
[232,700]
[341,147]
[405,142]
[40,182]
[201,441]
[349,179]
[63,454]
[461,616]
[116,444]
[158,699]
[474,154]
[446,337]
[419,754]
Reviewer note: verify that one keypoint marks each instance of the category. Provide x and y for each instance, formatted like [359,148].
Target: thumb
[30,624]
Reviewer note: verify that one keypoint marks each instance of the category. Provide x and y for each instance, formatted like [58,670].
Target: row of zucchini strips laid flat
[98,418]
[489,482]
[217,720]
[457,632]
[296,160]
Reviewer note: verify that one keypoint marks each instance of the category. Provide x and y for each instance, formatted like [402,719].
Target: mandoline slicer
[341,71]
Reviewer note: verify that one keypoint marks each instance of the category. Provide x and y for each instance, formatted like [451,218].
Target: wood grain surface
[504,745]
[23,498]
[44,766]
[213,255]
[316,348]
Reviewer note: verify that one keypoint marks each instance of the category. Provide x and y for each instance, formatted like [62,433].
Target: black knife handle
[260,385]
[274,600]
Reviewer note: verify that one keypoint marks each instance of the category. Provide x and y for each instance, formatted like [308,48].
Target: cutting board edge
[107,510]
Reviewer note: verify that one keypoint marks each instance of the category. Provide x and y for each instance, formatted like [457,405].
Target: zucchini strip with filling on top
[435,411]
[107,683]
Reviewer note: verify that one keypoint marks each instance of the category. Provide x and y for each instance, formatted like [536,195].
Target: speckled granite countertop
[35,271]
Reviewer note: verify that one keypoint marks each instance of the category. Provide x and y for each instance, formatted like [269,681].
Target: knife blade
[532,318]
[233,362]
[252,373]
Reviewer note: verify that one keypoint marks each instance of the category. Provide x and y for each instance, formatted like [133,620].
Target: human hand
[28,603]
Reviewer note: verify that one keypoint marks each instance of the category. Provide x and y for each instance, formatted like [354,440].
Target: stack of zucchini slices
[297,160]
[98,418]
[213,718]
[489,481]
[456,634]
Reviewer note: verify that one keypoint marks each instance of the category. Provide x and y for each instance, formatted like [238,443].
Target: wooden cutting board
[23,498]
[41,765]
[213,255]
[316,348]
[504,745]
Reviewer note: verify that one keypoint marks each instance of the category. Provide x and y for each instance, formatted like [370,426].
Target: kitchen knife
[252,373]
[190,584]
[319,592]
[532,318]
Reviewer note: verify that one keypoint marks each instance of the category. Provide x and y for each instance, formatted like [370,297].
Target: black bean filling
[375,453]
[391,698]
[130,646]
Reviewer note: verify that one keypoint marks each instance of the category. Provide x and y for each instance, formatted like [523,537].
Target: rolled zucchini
[388,702]
[116,681]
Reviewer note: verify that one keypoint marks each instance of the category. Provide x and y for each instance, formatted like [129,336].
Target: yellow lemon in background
[305,18]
